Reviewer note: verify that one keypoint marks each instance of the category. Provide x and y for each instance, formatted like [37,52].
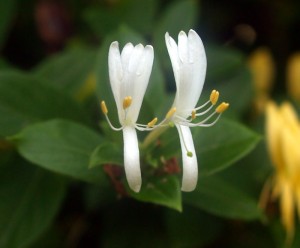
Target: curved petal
[132,158]
[273,135]
[291,155]
[192,76]
[129,68]
[142,63]
[141,80]
[189,72]
[183,47]
[173,53]
[125,54]
[136,55]
[290,117]
[190,164]
[196,48]
[115,71]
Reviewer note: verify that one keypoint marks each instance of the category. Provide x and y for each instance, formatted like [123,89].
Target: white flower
[189,66]
[129,74]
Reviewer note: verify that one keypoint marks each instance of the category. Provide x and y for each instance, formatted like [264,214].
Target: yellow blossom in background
[293,76]
[87,89]
[283,141]
[262,67]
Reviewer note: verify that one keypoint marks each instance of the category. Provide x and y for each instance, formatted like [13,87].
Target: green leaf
[25,99]
[218,197]
[141,226]
[107,153]
[163,191]
[222,63]
[70,71]
[172,22]
[221,145]
[30,199]
[228,73]
[190,228]
[7,8]
[61,146]
[138,15]
[3,64]
[217,147]
[250,173]
[52,237]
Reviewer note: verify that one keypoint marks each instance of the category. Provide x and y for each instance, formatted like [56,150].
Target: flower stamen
[193,116]
[188,122]
[127,102]
[202,106]
[170,113]
[105,112]
[188,153]
[152,123]
[214,96]
[222,107]
[104,108]
[205,111]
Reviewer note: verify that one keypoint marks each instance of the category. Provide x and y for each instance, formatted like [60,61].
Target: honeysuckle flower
[188,60]
[129,73]
[283,141]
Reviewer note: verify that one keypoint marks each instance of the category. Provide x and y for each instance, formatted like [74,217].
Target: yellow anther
[104,108]
[127,102]
[214,96]
[152,123]
[222,107]
[171,113]
[193,114]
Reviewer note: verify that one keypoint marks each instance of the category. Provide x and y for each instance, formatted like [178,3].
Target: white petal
[115,71]
[140,79]
[189,164]
[132,158]
[129,68]
[173,53]
[126,52]
[127,84]
[135,57]
[192,75]
[183,47]
[196,48]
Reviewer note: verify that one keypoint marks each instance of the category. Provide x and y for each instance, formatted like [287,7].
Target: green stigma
[171,124]
[189,154]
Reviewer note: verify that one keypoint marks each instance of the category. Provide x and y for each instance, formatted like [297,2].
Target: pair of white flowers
[129,73]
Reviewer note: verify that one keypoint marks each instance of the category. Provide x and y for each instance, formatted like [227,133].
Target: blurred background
[253,56]
[32,30]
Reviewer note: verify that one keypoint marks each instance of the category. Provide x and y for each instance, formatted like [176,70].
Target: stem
[152,136]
